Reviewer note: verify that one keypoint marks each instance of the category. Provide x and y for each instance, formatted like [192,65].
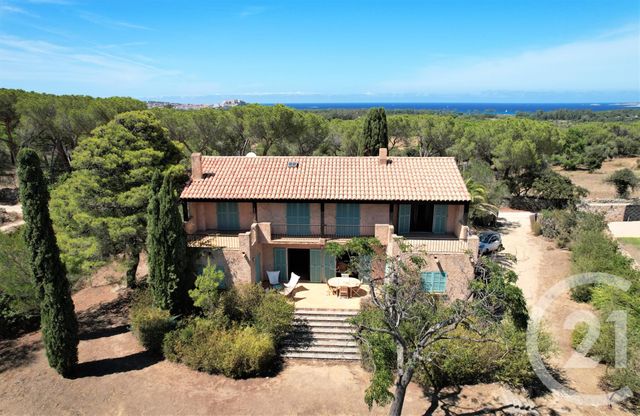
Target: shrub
[578,334]
[150,324]
[274,316]
[206,294]
[624,180]
[563,225]
[236,352]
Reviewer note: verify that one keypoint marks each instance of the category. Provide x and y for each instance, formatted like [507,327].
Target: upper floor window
[348,220]
[298,218]
[227,216]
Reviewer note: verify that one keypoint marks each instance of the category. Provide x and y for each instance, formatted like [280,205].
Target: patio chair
[274,279]
[293,282]
[344,291]
[331,289]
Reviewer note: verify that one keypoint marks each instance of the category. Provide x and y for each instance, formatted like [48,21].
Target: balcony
[437,243]
[214,239]
[329,231]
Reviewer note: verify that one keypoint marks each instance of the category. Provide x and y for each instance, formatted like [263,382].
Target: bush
[578,334]
[150,324]
[563,225]
[624,180]
[274,316]
[236,352]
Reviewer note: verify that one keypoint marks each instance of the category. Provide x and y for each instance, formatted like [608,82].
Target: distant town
[182,106]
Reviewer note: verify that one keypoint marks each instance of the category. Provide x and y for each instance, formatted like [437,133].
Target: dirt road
[540,265]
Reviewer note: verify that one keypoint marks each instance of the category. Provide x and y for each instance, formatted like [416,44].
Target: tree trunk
[13,148]
[401,389]
[133,267]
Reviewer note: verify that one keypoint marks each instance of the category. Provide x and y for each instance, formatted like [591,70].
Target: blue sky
[319,51]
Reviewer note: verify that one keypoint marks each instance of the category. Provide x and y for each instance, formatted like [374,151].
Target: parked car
[490,242]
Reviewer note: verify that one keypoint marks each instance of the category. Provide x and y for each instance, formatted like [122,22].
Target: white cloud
[608,62]
[35,64]
[111,23]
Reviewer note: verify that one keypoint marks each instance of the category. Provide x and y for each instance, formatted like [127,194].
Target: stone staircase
[322,334]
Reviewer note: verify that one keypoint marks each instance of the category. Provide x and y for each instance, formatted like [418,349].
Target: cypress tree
[167,241]
[152,230]
[57,315]
[375,132]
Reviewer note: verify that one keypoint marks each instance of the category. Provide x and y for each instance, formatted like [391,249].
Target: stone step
[322,330]
[323,342]
[316,318]
[324,312]
[326,348]
[321,356]
[323,323]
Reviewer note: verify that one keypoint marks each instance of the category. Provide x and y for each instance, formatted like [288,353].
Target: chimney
[196,166]
[382,156]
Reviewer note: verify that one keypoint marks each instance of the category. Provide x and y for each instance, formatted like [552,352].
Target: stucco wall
[237,268]
[204,215]
[459,271]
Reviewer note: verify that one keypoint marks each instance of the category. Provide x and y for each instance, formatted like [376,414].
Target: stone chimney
[382,156]
[196,166]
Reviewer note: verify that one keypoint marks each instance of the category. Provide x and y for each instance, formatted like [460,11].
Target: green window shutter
[434,282]
[280,263]
[227,216]
[440,282]
[329,266]
[347,220]
[440,213]
[315,266]
[258,266]
[298,218]
[404,218]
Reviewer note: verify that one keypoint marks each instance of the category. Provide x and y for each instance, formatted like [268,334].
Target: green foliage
[624,181]
[99,210]
[563,225]
[274,316]
[375,133]
[551,185]
[150,324]
[58,318]
[167,247]
[16,277]
[496,285]
[578,334]
[479,207]
[237,352]
[207,291]
[378,353]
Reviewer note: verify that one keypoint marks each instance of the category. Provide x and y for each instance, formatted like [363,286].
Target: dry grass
[595,182]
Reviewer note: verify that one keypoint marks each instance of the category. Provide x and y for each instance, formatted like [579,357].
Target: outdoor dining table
[349,282]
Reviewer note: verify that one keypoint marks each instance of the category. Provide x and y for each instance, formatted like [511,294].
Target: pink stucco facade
[246,256]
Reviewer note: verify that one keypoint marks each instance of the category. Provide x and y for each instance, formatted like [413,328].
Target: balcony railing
[226,239]
[438,245]
[320,231]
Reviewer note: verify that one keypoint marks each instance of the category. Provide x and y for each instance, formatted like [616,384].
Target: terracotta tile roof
[328,178]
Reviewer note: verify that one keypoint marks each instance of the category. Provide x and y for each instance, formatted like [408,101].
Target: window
[298,218]
[434,282]
[348,220]
[227,216]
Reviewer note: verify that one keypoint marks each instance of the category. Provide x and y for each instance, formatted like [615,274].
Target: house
[249,215]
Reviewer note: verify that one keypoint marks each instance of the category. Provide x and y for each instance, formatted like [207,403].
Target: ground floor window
[434,282]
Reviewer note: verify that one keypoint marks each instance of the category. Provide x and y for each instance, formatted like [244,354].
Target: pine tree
[167,248]
[58,318]
[375,132]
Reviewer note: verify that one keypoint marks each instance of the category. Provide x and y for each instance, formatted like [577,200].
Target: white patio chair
[293,282]
[274,279]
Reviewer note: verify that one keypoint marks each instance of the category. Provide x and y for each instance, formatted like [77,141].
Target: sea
[469,108]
